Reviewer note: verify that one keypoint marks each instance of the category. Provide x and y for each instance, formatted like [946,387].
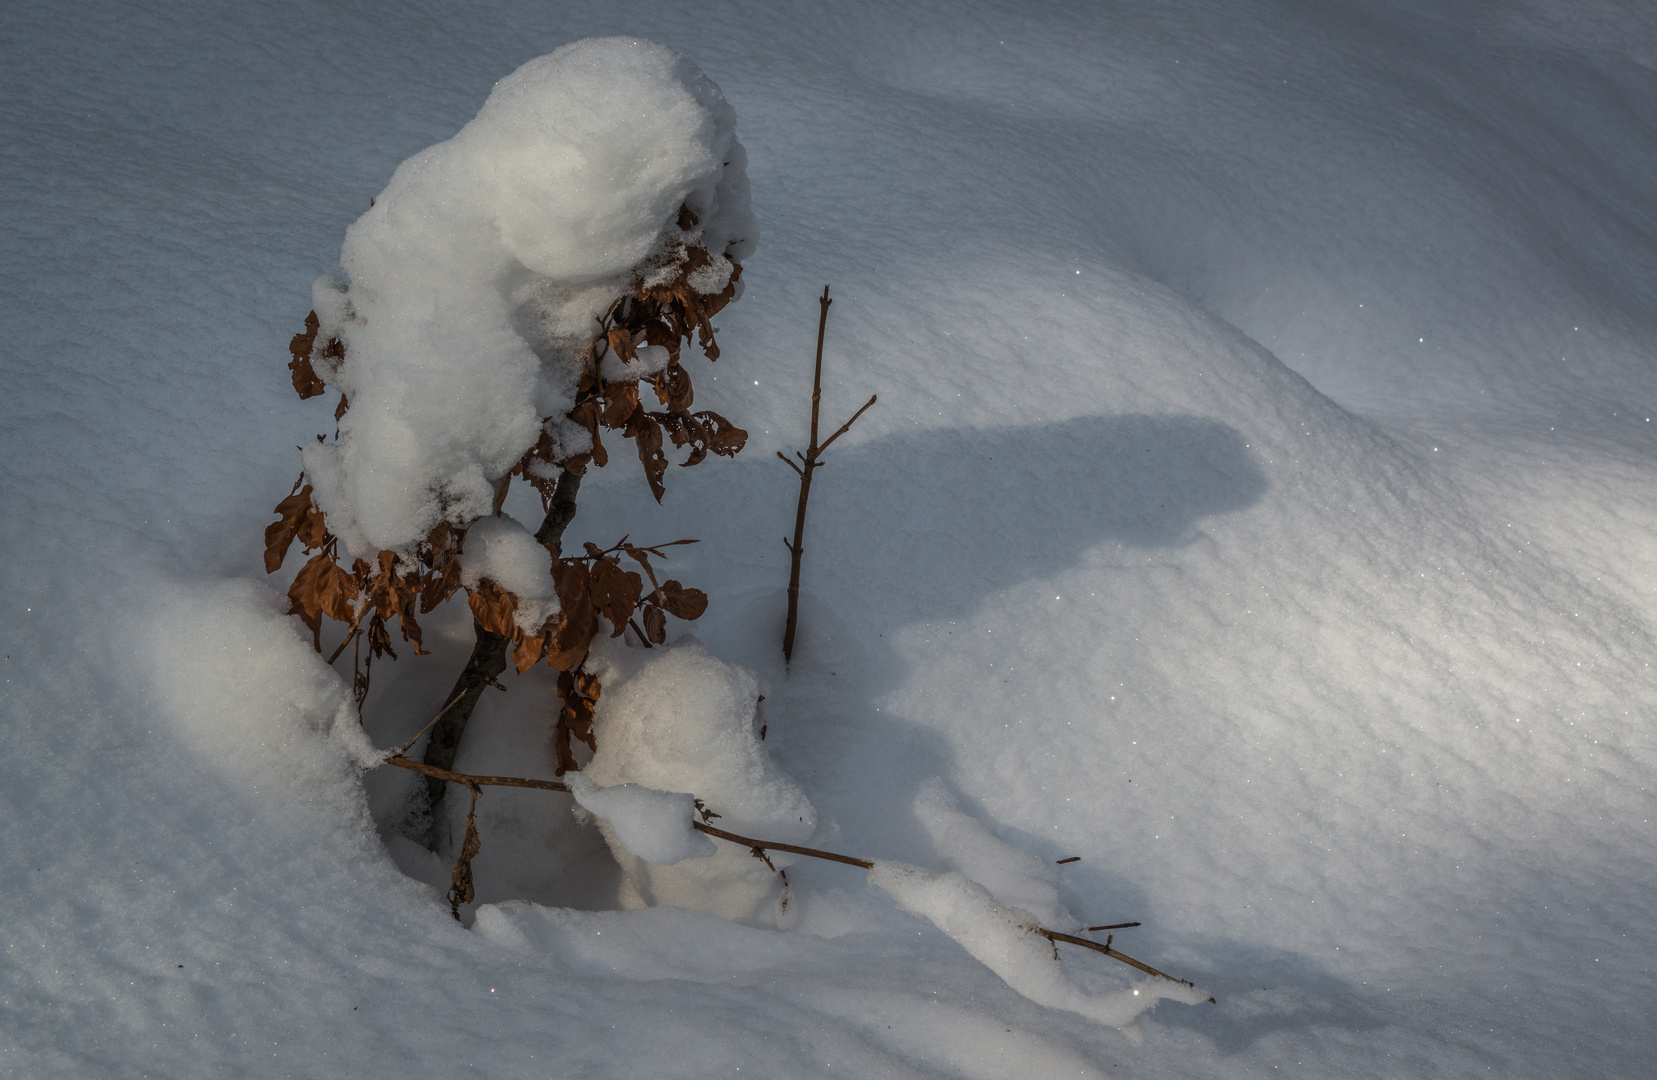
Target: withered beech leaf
[673,388]
[587,415]
[621,401]
[655,624]
[279,534]
[647,436]
[305,379]
[639,556]
[526,652]
[615,592]
[460,878]
[322,587]
[684,603]
[493,607]
[621,342]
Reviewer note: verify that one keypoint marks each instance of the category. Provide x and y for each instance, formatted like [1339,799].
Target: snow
[1258,506]
[1016,878]
[477,277]
[680,718]
[653,825]
[503,551]
[1004,940]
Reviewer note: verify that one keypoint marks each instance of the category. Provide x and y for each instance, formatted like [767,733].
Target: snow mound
[653,825]
[476,278]
[1014,877]
[1004,940]
[681,719]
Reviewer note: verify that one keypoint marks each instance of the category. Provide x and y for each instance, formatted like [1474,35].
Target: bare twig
[468,779]
[1114,926]
[809,464]
[349,638]
[1070,939]
[846,426]
[428,726]
[763,845]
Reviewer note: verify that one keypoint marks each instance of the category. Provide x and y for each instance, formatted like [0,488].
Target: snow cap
[475,280]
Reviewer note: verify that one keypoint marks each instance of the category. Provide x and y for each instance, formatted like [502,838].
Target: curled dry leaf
[578,697]
[683,603]
[305,379]
[461,890]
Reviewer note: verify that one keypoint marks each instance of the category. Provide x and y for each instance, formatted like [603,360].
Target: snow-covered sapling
[503,302]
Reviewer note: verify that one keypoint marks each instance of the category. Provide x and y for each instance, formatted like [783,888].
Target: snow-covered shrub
[503,302]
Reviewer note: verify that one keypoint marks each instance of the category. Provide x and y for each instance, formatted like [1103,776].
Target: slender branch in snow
[758,847]
[465,778]
[809,461]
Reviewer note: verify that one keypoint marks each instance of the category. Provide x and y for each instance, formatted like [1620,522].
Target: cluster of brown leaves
[390,587]
[589,586]
[667,314]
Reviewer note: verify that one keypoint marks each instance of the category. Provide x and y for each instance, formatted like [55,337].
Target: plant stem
[488,657]
[560,512]
[487,661]
[797,548]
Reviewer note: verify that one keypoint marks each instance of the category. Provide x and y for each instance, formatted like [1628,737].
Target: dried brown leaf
[615,592]
[684,603]
[305,379]
[646,434]
[655,624]
[460,878]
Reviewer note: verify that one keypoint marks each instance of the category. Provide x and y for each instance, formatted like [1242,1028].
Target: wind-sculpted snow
[1257,515]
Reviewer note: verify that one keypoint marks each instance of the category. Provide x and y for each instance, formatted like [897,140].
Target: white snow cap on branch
[1005,940]
[502,550]
[654,825]
[475,280]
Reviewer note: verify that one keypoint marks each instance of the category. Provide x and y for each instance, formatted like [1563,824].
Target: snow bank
[228,668]
[1004,940]
[681,719]
[475,280]
[652,825]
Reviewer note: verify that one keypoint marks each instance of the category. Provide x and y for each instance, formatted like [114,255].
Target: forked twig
[809,464]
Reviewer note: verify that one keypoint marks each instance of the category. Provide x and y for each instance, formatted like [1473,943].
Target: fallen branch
[758,847]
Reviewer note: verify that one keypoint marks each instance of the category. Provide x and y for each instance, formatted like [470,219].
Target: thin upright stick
[810,463]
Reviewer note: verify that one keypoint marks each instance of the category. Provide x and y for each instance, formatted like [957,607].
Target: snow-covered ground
[1260,505]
